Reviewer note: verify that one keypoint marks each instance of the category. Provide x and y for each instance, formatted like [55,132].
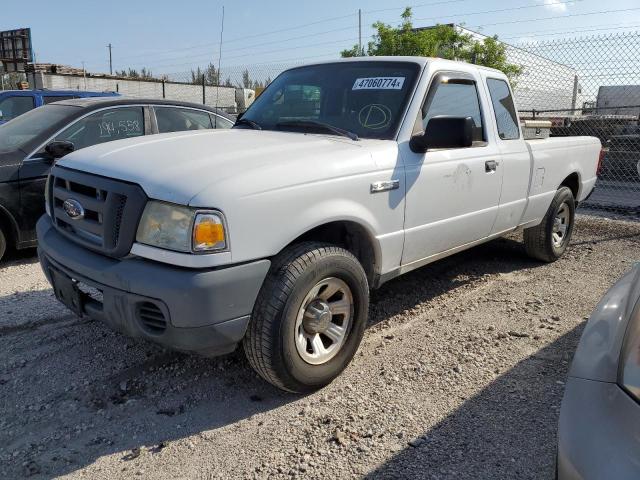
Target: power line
[500,10]
[213,44]
[260,53]
[564,32]
[443,2]
[520,7]
[248,46]
[297,27]
[246,54]
[558,17]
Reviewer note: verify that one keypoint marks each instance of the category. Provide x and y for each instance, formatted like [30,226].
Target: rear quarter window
[504,109]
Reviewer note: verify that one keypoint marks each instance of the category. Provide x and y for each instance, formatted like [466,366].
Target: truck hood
[177,167]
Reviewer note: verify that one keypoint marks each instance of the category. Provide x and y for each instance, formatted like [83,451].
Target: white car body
[274,186]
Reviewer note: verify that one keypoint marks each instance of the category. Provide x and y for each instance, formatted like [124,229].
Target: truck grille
[99,213]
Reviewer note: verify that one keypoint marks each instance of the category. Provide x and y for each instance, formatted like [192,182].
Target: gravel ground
[460,375]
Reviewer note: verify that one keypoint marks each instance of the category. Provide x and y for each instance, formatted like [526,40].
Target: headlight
[182,229]
[629,376]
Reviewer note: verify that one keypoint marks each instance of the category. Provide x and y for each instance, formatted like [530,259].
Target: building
[618,100]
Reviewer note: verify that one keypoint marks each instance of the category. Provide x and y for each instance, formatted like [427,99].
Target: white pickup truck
[340,177]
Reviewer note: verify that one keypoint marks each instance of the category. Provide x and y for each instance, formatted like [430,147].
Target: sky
[170,37]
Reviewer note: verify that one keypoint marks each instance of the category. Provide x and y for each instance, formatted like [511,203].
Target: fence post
[575,94]
[204,91]
[163,96]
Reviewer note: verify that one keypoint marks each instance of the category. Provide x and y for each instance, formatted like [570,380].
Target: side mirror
[1,114]
[58,149]
[444,132]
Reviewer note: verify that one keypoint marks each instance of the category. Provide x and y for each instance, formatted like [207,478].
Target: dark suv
[30,143]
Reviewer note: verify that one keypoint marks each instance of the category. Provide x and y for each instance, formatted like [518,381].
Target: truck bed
[552,161]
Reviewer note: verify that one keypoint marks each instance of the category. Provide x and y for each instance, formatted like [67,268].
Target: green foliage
[441,41]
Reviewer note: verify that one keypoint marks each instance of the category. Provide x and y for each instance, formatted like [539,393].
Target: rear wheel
[549,240]
[309,317]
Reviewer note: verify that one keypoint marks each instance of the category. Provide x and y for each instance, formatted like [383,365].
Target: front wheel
[549,240]
[3,243]
[309,317]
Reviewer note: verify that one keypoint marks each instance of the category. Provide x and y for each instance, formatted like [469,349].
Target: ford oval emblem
[73,209]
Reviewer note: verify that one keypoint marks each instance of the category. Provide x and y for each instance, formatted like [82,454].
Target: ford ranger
[340,177]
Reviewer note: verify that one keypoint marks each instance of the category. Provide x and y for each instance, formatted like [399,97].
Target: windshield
[366,98]
[20,132]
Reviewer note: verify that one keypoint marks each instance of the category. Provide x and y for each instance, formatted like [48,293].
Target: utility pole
[110,61]
[360,32]
[84,75]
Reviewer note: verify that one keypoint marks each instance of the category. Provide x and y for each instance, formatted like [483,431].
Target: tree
[144,74]
[211,75]
[247,82]
[441,41]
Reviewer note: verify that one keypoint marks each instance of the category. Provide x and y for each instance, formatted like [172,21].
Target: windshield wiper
[315,124]
[246,121]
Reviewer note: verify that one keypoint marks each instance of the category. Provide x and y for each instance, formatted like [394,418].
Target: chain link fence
[590,86]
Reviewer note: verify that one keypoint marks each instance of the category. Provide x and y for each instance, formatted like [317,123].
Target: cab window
[454,98]
[171,119]
[105,126]
[298,102]
[12,107]
[504,109]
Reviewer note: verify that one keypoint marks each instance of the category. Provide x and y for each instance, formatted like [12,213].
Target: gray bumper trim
[207,309]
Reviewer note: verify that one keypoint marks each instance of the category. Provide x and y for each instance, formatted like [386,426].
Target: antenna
[110,60]
[220,57]
[360,32]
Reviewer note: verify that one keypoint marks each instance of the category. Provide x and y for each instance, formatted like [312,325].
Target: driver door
[452,194]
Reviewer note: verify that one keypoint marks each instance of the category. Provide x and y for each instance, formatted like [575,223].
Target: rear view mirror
[59,149]
[444,132]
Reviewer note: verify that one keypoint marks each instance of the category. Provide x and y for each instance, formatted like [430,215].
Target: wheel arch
[352,236]
[9,227]
[572,182]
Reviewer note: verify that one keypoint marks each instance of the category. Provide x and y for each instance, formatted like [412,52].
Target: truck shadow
[73,391]
[509,424]
[27,256]
[504,255]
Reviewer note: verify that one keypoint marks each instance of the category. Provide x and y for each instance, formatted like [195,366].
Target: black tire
[3,243]
[270,344]
[539,240]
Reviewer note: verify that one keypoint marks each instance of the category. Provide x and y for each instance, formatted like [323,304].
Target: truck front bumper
[205,311]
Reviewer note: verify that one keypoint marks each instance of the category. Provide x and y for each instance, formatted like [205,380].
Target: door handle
[490,166]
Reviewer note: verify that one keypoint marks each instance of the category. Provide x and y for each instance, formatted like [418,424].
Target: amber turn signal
[208,232]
